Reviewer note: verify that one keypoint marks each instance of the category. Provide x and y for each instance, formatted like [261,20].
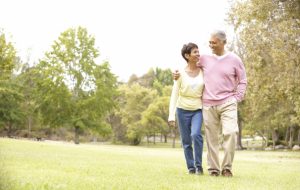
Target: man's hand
[176,75]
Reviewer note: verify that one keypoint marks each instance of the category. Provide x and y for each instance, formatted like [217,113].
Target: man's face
[216,45]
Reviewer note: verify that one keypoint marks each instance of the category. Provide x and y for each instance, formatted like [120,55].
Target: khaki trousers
[216,119]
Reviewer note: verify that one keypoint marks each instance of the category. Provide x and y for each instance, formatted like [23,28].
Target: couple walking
[207,91]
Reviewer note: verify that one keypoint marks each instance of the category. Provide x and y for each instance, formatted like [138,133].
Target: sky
[132,35]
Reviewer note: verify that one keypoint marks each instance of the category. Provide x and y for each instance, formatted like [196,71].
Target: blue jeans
[190,123]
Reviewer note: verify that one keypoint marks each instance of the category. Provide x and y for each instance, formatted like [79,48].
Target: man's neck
[221,53]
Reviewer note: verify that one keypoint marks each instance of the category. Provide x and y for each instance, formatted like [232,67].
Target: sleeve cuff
[171,118]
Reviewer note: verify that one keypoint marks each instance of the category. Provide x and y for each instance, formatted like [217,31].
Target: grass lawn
[57,165]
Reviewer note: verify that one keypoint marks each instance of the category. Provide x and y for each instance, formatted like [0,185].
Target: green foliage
[143,106]
[146,80]
[73,89]
[154,78]
[27,80]
[155,117]
[10,104]
[136,100]
[67,88]
[10,97]
[7,56]
[268,41]
[162,79]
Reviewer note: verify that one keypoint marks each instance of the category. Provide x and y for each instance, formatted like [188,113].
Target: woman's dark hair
[187,49]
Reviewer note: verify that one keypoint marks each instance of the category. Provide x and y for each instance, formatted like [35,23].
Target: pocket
[229,102]
[205,107]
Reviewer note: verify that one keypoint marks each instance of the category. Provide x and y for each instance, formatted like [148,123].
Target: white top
[186,93]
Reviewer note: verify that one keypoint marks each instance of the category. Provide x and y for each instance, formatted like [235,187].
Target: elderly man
[225,85]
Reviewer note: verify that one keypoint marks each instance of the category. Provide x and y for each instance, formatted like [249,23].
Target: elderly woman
[186,104]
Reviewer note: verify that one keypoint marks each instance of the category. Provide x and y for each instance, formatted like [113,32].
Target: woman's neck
[192,66]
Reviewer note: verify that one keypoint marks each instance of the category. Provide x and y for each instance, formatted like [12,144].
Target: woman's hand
[171,124]
[176,75]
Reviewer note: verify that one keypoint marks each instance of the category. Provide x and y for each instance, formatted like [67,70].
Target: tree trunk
[298,136]
[265,141]
[154,138]
[166,138]
[267,135]
[239,145]
[9,130]
[76,140]
[292,131]
[148,139]
[287,135]
[29,119]
[174,138]
[275,137]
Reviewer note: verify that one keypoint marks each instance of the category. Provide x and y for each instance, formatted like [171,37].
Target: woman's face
[194,56]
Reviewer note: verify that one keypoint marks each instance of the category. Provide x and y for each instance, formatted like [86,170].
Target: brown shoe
[226,173]
[214,173]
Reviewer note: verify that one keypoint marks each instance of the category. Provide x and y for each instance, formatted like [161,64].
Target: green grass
[58,165]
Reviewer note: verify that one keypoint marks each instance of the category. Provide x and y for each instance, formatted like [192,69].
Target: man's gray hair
[220,34]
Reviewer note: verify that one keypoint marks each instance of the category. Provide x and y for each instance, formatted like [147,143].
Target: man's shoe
[214,173]
[199,171]
[192,171]
[226,173]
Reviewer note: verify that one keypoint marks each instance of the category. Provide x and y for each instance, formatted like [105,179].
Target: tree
[118,129]
[73,89]
[136,100]
[8,57]
[268,33]
[142,109]
[162,79]
[146,80]
[10,109]
[10,98]
[155,78]
[27,81]
[155,117]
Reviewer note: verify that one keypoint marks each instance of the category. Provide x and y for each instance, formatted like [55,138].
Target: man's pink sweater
[224,78]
